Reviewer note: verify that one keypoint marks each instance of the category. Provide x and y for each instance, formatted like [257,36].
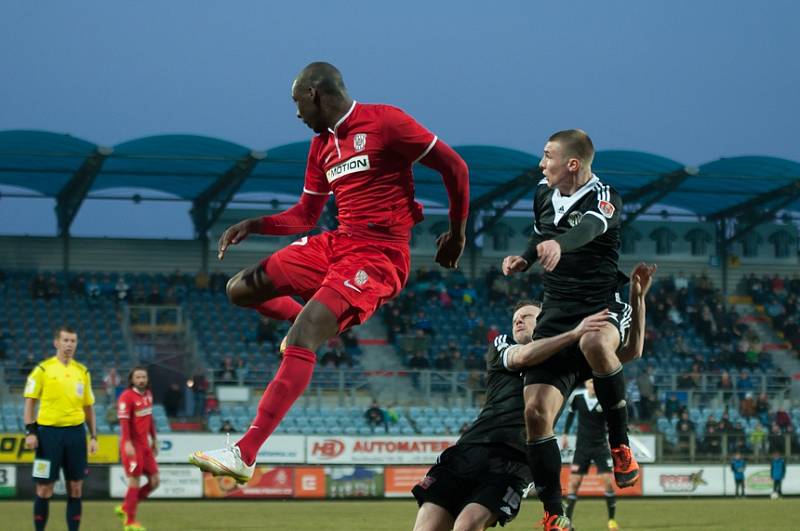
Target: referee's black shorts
[586,454]
[60,447]
[566,369]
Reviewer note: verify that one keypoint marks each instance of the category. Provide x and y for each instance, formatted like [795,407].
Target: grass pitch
[398,515]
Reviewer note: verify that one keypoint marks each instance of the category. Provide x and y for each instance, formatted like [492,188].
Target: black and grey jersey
[591,271]
[501,420]
[591,421]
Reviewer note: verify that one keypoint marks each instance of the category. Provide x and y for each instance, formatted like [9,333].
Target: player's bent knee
[154,482]
[538,419]
[474,517]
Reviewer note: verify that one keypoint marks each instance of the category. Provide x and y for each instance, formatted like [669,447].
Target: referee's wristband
[31,429]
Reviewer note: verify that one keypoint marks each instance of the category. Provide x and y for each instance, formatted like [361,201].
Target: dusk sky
[690,80]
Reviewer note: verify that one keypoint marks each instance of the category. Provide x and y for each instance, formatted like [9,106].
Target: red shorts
[144,463]
[365,273]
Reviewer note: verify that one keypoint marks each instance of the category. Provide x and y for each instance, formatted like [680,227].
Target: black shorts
[491,475]
[567,368]
[585,455]
[60,448]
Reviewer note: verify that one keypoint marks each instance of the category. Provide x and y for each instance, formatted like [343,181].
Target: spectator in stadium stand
[375,416]
[758,438]
[646,383]
[267,330]
[93,288]
[155,297]
[227,427]
[479,330]
[418,362]
[443,362]
[634,399]
[492,333]
[422,322]
[737,438]
[77,286]
[457,360]
[39,286]
[227,371]
[53,289]
[782,418]
[725,385]
[139,296]
[201,281]
[747,406]
[122,289]
[328,360]
[744,384]
[217,281]
[111,382]
[776,440]
[672,407]
[712,442]
[242,370]
[172,399]
[212,404]
[738,466]
[445,301]
[685,429]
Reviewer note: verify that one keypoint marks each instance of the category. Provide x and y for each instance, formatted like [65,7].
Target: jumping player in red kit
[138,445]
[363,155]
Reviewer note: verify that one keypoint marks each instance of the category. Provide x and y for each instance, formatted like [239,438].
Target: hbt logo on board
[329,448]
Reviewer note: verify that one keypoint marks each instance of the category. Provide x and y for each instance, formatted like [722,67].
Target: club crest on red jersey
[606,208]
[361,277]
[360,141]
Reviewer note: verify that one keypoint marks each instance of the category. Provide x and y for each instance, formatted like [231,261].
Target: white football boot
[224,462]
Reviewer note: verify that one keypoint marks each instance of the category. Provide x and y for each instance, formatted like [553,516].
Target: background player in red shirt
[363,155]
[138,444]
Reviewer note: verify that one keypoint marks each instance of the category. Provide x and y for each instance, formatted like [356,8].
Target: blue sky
[690,80]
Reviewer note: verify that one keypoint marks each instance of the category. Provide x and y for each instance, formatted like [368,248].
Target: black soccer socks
[74,509]
[611,504]
[41,510]
[610,389]
[572,499]
[544,460]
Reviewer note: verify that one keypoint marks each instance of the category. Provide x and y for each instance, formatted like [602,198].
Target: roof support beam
[500,212]
[652,192]
[529,178]
[757,202]
[71,196]
[210,204]
[753,217]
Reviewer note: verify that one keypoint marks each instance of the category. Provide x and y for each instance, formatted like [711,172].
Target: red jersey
[366,160]
[135,413]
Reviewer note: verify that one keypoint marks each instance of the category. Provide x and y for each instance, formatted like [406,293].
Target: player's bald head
[322,77]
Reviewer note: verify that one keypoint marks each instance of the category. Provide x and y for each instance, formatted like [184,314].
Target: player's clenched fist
[514,264]
[549,252]
[234,234]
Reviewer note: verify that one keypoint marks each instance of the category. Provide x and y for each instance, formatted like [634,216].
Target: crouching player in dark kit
[480,481]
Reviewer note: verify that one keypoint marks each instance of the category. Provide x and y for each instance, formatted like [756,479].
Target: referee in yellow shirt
[63,388]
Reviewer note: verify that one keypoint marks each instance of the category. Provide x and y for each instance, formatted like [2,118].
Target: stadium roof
[210,172]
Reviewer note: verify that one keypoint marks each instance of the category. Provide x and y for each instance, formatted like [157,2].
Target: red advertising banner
[267,482]
[399,480]
[594,485]
[309,482]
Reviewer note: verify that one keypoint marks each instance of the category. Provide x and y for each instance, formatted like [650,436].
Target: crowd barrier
[296,466]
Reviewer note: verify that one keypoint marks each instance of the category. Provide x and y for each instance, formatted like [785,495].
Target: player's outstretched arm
[300,218]
[455,174]
[535,352]
[641,281]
